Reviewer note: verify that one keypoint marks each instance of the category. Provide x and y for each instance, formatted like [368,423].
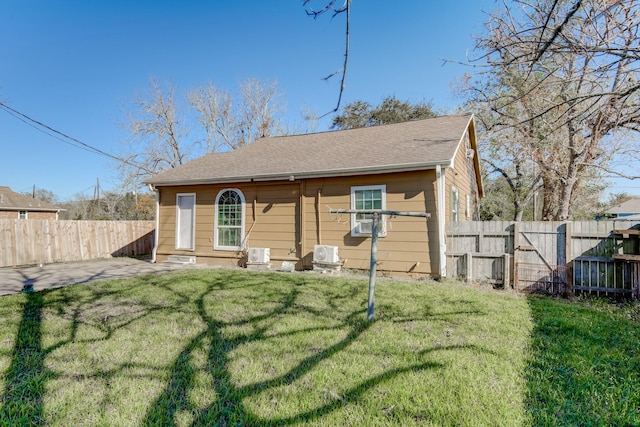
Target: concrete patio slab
[12,280]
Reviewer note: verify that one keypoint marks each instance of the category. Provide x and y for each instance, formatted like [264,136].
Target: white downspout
[441,221]
[156,231]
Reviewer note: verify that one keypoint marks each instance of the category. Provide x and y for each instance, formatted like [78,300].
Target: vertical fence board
[6,252]
[24,242]
[578,253]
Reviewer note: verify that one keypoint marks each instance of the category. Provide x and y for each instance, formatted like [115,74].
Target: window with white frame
[22,214]
[367,198]
[229,220]
[455,204]
[185,221]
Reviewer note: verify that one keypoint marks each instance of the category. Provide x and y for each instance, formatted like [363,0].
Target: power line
[60,136]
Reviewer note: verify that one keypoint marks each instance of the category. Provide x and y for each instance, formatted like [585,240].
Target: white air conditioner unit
[258,256]
[365,227]
[325,254]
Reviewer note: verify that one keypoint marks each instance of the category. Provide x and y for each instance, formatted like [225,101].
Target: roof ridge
[331,131]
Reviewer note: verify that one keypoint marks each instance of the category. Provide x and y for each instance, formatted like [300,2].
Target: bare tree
[213,107]
[157,135]
[260,110]
[564,75]
[229,125]
[161,137]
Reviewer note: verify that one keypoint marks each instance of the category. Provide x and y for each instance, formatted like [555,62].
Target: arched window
[229,220]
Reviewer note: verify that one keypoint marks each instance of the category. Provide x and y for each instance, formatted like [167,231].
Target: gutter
[30,209]
[156,232]
[306,175]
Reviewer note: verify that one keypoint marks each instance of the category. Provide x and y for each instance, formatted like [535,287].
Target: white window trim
[215,222]
[382,227]
[193,222]
[26,214]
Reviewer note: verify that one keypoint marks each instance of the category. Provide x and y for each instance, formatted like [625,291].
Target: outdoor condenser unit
[258,256]
[325,254]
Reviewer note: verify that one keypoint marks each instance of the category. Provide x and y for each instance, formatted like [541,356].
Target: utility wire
[48,130]
[29,123]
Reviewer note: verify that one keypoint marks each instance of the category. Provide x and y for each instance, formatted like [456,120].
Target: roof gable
[414,145]
[10,200]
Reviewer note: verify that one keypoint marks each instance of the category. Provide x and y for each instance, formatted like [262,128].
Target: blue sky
[76,65]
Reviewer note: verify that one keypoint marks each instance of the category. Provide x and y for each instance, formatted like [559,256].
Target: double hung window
[371,197]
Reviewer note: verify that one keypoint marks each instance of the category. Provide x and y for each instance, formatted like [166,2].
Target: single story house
[274,196]
[628,208]
[18,206]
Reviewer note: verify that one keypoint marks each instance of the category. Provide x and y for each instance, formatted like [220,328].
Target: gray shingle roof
[414,145]
[631,206]
[10,200]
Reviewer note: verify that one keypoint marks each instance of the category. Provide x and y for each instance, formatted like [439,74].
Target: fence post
[516,248]
[568,259]
[568,246]
[468,257]
[506,270]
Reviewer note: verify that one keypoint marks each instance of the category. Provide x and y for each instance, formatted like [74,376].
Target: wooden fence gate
[540,257]
[600,257]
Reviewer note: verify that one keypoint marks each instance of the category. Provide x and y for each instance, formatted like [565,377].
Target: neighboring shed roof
[414,145]
[12,201]
[631,206]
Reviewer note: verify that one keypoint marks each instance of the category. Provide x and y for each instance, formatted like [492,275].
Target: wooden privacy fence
[554,257]
[24,242]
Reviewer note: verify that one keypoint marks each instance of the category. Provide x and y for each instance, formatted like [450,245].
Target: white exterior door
[185,221]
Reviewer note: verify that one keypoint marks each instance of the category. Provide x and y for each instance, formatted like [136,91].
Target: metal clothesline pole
[376,214]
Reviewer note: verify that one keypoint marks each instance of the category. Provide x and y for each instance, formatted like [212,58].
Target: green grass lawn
[220,347]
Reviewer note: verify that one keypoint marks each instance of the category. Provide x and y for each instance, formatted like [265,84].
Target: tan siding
[276,219]
[410,246]
[462,176]
[274,225]
[408,241]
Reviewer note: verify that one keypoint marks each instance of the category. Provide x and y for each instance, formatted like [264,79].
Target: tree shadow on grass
[583,368]
[21,402]
[27,375]
[228,407]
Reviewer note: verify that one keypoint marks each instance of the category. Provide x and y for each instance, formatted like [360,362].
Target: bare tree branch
[345,8]
[565,73]
[541,51]
[161,138]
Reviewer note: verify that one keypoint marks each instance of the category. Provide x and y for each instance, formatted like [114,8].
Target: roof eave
[12,208]
[306,175]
